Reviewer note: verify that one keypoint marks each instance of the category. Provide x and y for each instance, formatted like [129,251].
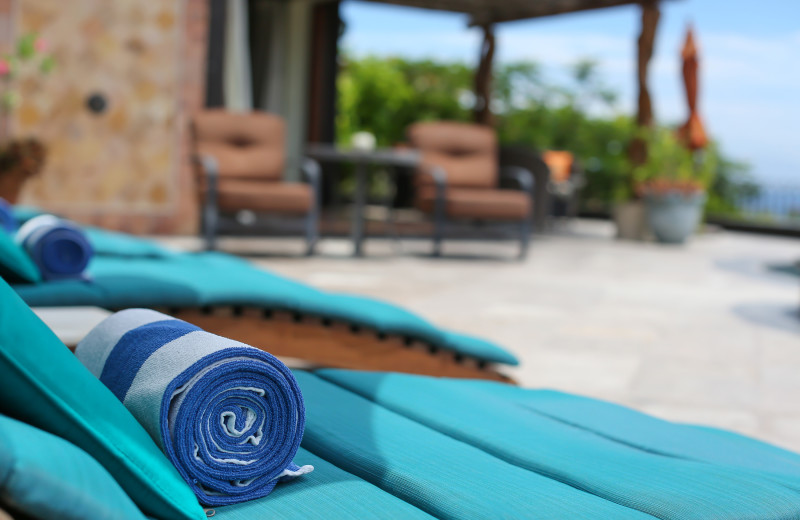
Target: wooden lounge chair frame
[331,343]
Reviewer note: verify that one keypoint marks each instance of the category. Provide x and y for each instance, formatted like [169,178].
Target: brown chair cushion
[480,204]
[467,152]
[245,145]
[278,197]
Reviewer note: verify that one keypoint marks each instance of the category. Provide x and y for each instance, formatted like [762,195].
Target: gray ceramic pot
[674,216]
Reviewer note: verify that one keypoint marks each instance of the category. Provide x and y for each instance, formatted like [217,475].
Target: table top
[388,156]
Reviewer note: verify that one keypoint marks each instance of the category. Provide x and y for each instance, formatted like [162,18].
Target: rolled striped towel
[59,248]
[230,417]
[8,222]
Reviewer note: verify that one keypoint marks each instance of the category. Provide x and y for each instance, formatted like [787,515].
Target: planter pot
[19,161]
[631,221]
[674,216]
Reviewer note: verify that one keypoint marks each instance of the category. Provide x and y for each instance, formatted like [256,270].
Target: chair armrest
[312,173]
[210,167]
[522,176]
[438,175]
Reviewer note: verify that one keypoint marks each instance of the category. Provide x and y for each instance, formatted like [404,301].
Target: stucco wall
[127,167]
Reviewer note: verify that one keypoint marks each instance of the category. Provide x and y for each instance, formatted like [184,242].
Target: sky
[749,70]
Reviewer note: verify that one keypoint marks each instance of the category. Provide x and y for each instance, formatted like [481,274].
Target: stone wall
[125,166]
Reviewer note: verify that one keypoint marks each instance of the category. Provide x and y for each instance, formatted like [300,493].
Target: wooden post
[644,114]
[483,79]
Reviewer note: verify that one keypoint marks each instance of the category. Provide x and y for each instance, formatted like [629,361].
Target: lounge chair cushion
[480,204]
[445,477]
[641,463]
[281,197]
[327,493]
[45,476]
[43,384]
[112,243]
[15,264]
[196,280]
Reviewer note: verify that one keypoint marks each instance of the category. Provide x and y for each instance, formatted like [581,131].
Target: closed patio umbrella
[692,132]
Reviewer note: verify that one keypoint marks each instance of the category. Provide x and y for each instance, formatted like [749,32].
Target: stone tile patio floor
[706,333]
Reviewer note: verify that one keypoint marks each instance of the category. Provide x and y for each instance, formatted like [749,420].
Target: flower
[5,68]
[40,45]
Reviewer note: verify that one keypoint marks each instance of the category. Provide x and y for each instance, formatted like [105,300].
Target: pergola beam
[485,12]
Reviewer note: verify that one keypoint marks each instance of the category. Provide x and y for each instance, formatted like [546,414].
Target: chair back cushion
[44,385]
[45,476]
[16,266]
[246,145]
[467,152]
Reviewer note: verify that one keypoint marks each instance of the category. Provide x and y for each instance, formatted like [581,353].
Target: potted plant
[672,182]
[20,158]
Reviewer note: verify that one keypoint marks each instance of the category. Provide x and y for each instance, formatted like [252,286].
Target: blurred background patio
[704,332]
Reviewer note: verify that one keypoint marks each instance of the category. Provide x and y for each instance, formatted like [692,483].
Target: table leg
[357,229]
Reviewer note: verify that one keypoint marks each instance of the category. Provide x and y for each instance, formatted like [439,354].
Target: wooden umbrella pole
[483,79]
[645,45]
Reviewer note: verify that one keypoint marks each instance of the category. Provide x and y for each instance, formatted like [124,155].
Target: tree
[385,95]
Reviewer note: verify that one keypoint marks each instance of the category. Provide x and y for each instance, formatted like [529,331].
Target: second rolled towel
[58,247]
[229,416]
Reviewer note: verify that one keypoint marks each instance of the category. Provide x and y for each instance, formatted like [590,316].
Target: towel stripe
[98,344]
[160,369]
[134,348]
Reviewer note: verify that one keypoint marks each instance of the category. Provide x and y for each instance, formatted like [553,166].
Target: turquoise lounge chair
[384,446]
[230,297]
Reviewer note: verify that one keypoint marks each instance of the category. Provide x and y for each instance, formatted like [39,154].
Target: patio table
[362,159]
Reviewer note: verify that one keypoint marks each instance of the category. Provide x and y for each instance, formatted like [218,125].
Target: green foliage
[47,65]
[26,46]
[670,162]
[385,95]
[29,53]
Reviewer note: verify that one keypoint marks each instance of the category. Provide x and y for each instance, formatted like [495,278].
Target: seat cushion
[481,204]
[327,493]
[443,476]
[43,384]
[275,197]
[45,476]
[15,264]
[664,483]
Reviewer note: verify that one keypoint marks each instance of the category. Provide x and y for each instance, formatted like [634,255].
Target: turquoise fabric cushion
[687,441]
[43,384]
[663,485]
[444,477]
[15,264]
[327,493]
[112,243]
[219,279]
[47,477]
[25,213]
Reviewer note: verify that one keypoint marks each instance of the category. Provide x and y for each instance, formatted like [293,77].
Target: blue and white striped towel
[229,416]
[58,247]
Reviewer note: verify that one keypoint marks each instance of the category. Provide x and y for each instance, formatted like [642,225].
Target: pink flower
[40,45]
[4,67]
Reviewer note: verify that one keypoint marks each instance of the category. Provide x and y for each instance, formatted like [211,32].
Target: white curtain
[237,75]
